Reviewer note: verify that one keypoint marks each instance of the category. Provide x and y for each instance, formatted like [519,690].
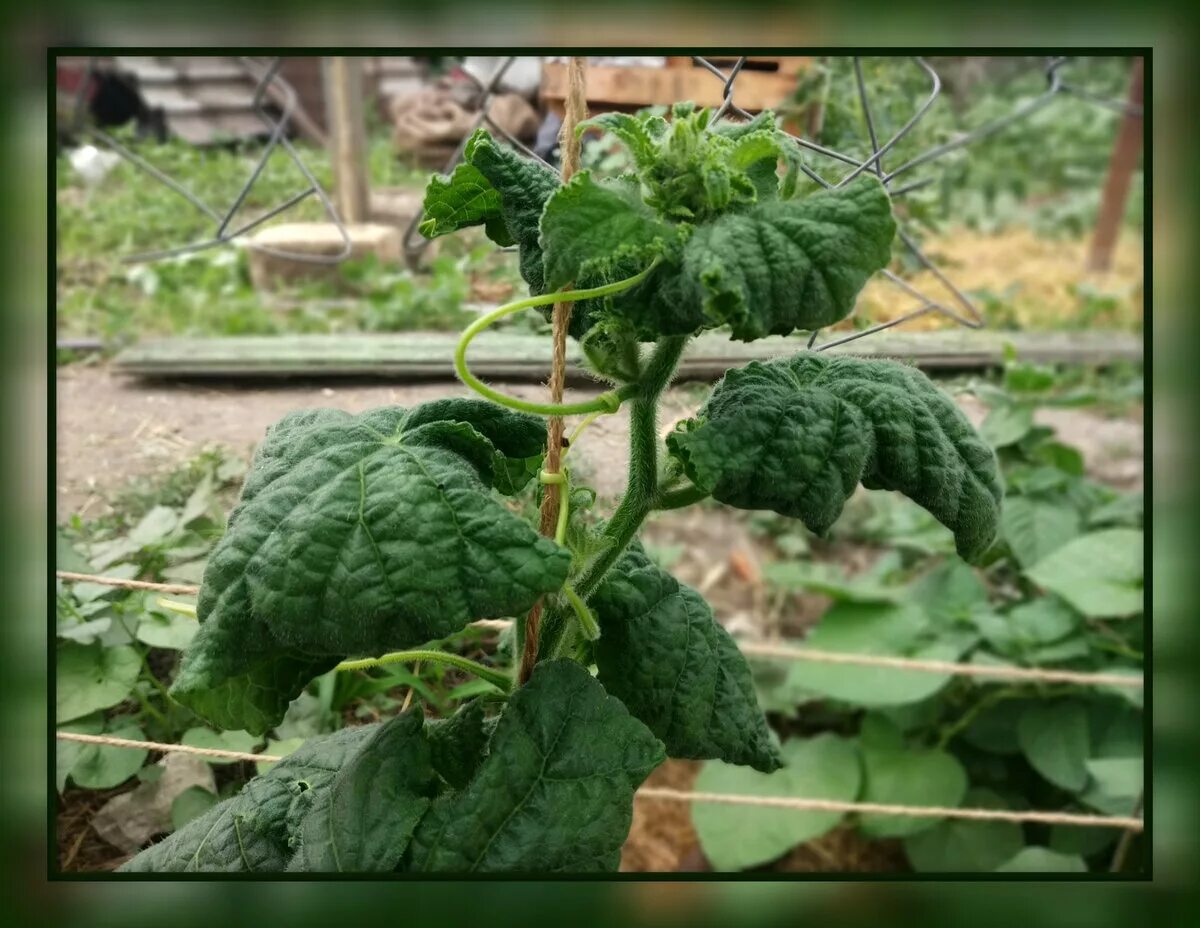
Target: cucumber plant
[387,530]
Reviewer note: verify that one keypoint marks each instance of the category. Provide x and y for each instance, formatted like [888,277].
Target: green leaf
[189,805]
[589,224]
[524,187]
[250,832]
[171,632]
[958,845]
[664,655]
[829,580]
[102,767]
[154,526]
[1042,860]
[278,748]
[797,435]
[1081,841]
[1054,738]
[995,729]
[1034,528]
[875,628]
[459,743]
[363,822]
[1043,620]
[222,741]
[555,793]
[357,535]
[91,677]
[739,837]
[950,594]
[1116,783]
[1100,574]
[1006,425]
[772,269]
[908,777]
[82,632]
[465,198]
[67,753]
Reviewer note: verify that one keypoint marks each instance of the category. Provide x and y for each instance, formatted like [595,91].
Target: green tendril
[497,678]
[587,621]
[609,402]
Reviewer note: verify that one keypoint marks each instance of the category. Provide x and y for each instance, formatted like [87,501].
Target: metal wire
[967,313]
[266,75]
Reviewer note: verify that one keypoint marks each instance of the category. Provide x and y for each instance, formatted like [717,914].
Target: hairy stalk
[676,497]
[495,677]
[641,491]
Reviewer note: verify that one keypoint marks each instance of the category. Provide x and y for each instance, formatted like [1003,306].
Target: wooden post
[347,137]
[1120,173]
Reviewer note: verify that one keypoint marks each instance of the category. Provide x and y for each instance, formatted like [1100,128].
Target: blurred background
[152,435]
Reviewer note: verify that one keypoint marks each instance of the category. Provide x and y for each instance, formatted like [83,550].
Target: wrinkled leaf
[465,198]
[664,655]
[739,837]
[555,793]
[797,435]
[457,744]
[360,534]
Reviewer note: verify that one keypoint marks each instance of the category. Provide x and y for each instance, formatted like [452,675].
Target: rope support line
[785,652]
[653,793]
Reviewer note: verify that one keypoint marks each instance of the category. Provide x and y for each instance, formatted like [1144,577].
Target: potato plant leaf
[555,792]
[663,654]
[796,435]
[359,534]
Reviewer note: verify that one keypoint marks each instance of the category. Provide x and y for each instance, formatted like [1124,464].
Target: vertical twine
[576,112]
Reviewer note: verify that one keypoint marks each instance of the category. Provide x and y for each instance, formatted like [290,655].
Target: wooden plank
[347,137]
[524,357]
[1126,150]
[633,87]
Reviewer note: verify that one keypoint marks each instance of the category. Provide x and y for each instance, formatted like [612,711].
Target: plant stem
[678,497]
[609,401]
[641,491]
[497,678]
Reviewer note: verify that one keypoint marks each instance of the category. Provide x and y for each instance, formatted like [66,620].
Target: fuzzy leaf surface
[663,654]
[555,792]
[797,435]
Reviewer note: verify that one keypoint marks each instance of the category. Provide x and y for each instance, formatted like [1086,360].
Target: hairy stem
[641,491]
[495,677]
[677,497]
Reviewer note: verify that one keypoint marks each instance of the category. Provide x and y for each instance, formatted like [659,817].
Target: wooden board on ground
[526,357]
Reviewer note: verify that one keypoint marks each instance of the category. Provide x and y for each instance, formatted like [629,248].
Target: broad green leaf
[1083,842]
[829,580]
[200,503]
[82,632]
[958,845]
[664,655]
[172,632]
[769,270]
[1116,783]
[631,130]
[995,729]
[524,187]
[1054,738]
[67,556]
[797,435]
[281,748]
[1007,424]
[250,832]
[459,743]
[951,593]
[363,822]
[739,837]
[91,677]
[894,630]
[555,792]
[154,526]
[223,741]
[189,805]
[909,777]
[1042,860]
[67,753]
[1100,574]
[103,767]
[1043,620]
[465,198]
[357,535]
[1034,528]
[588,224]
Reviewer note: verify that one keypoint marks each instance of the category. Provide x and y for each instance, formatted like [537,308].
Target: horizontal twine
[785,652]
[674,795]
